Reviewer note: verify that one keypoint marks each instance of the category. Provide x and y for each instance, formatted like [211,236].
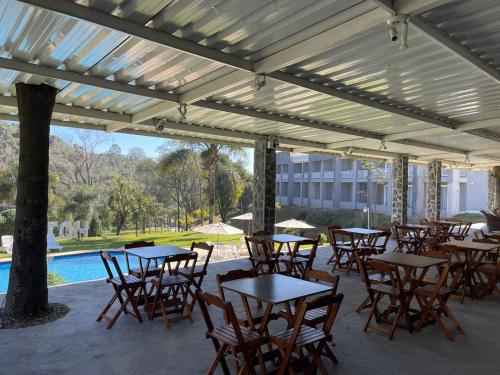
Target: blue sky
[128,141]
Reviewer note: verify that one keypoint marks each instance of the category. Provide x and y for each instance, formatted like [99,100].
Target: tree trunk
[211,192]
[27,293]
[185,220]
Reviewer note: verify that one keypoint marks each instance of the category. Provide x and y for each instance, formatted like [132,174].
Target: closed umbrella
[245,217]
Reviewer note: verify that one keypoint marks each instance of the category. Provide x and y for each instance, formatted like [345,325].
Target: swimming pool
[73,268]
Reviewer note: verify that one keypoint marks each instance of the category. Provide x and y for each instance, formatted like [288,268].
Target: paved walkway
[77,344]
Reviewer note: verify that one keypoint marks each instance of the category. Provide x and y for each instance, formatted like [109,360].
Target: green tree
[121,202]
[181,170]
[80,203]
[229,187]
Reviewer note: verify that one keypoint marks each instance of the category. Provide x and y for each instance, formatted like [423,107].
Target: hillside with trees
[187,185]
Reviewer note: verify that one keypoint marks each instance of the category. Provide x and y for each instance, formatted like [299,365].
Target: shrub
[95,227]
[7,219]
[54,278]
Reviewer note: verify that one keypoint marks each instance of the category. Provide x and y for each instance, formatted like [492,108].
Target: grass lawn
[111,241]
[470,217]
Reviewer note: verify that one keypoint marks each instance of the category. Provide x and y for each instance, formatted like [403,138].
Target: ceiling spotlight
[398,24]
[260,81]
[349,151]
[183,111]
[160,125]
[382,146]
[467,158]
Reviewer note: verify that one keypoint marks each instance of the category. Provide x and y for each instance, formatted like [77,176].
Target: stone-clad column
[433,205]
[264,188]
[399,190]
[493,201]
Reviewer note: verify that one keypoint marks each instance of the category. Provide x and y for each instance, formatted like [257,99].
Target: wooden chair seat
[489,268]
[312,317]
[131,280]
[227,335]
[429,290]
[387,289]
[307,335]
[198,271]
[380,279]
[287,258]
[172,280]
[152,271]
[257,313]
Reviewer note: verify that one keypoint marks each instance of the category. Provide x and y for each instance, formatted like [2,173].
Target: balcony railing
[363,173]
[346,174]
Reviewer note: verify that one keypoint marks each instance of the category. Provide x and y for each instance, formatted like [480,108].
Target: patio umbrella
[218,229]
[294,223]
[245,217]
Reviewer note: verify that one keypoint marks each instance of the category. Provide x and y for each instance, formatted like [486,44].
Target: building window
[305,190]
[346,164]
[381,191]
[328,165]
[346,191]
[316,190]
[362,192]
[409,203]
[328,188]
[284,189]
[296,189]
[444,196]
[284,168]
[297,168]
[306,167]
[316,166]
[278,186]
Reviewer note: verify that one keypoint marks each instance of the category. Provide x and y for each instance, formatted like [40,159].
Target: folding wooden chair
[378,242]
[250,250]
[433,296]
[199,272]
[311,234]
[172,289]
[344,244]
[152,271]
[410,239]
[125,286]
[463,231]
[398,297]
[231,339]
[294,342]
[329,234]
[263,258]
[256,311]
[296,265]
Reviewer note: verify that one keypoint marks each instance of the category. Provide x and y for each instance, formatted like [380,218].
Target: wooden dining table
[153,253]
[474,253]
[282,239]
[410,263]
[273,289]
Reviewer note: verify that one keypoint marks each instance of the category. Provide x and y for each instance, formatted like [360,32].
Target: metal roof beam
[85,79]
[131,28]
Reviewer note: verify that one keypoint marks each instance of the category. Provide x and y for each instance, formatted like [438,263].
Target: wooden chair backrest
[202,246]
[134,245]
[383,269]
[304,243]
[106,260]
[329,232]
[231,276]
[258,249]
[332,304]
[342,235]
[261,233]
[323,277]
[310,233]
[465,228]
[172,264]
[205,299]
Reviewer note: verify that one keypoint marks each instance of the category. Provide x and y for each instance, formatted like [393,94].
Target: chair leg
[454,320]
[118,313]
[108,306]
[372,311]
[219,358]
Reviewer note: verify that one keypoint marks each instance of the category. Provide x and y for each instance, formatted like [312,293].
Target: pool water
[74,268]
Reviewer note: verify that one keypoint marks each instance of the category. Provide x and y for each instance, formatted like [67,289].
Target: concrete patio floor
[77,344]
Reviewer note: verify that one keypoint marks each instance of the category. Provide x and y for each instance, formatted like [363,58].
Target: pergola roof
[334,82]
